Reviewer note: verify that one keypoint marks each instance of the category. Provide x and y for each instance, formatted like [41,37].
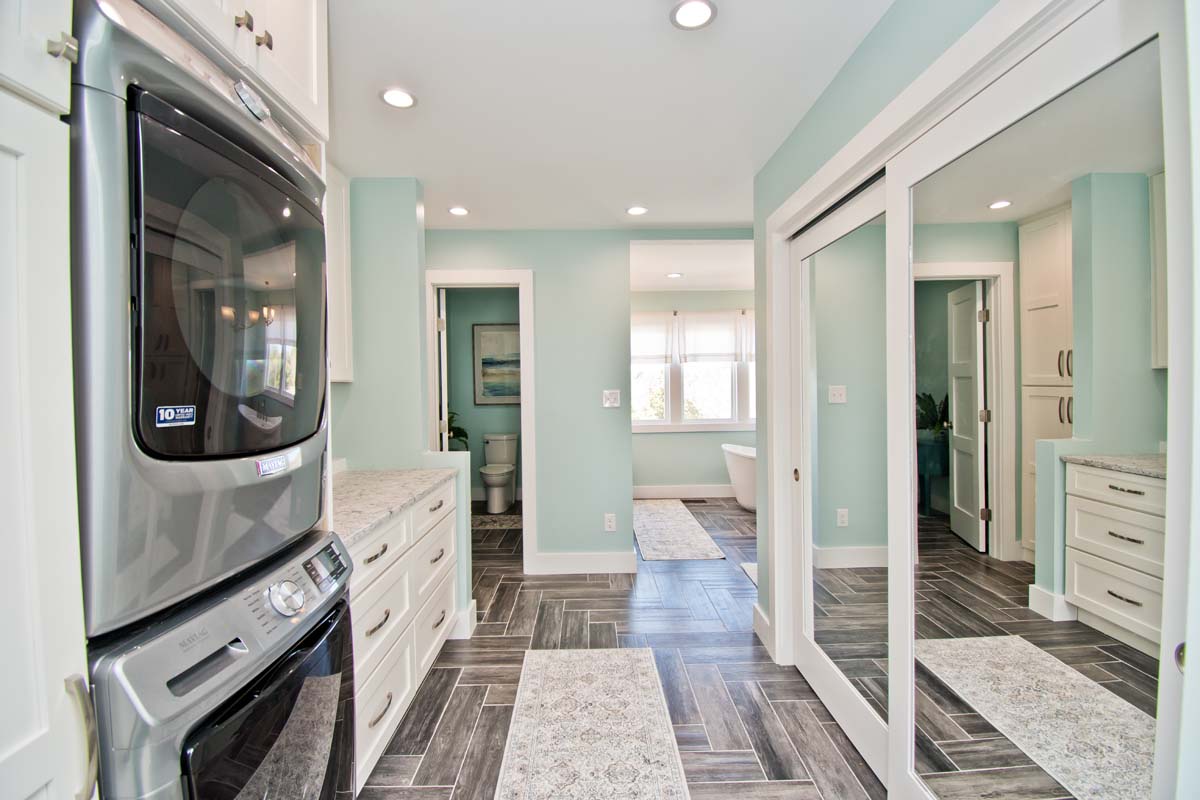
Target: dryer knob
[286,597]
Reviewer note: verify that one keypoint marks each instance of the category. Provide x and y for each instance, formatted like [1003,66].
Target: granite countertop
[1150,465]
[365,499]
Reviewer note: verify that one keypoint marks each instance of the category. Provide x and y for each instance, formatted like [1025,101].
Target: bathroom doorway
[480,377]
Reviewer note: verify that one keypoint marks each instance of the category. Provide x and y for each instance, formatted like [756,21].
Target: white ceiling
[706,265]
[561,114]
[1110,123]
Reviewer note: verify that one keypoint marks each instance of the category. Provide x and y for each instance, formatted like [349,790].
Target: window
[692,370]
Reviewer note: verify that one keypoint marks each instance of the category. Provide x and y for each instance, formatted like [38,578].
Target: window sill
[692,427]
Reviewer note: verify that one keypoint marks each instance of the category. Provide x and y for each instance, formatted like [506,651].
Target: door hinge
[443,427]
[985,315]
[985,415]
[985,515]
[441,324]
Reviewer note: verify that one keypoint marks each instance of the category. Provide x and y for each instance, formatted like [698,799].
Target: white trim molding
[464,622]
[1050,605]
[683,491]
[581,563]
[841,557]
[762,627]
[692,427]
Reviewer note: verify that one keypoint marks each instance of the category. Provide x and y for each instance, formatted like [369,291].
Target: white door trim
[1002,391]
[1108,31]
[522,280]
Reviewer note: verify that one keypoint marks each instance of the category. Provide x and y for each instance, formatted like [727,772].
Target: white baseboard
[1120,634]
[340,465]
[762,626]
[840,557]
[580,563]
[688,491]
[479,494]
[464,622]
[1053,607]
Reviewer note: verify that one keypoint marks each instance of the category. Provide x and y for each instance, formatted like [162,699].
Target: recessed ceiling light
[636,211]
[399,98]
[674,274]
[999,204]
[691,15]
[287,211]
[459,211]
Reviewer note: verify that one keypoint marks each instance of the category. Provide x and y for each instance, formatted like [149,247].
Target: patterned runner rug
[591,725]
[490,521]
[667,531]
[1095,744]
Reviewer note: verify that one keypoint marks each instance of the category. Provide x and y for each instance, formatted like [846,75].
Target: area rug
[492,521]
[591,725]
[1098,746]
[667,531]
[751,570]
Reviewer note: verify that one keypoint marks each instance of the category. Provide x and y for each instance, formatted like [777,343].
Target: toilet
[499,472]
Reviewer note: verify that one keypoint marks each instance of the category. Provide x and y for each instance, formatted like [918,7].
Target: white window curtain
[709,336]
[650,338]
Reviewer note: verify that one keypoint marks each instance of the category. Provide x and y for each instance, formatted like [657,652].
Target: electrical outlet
[843,517]
[610,523]
[837,394]
[611,398]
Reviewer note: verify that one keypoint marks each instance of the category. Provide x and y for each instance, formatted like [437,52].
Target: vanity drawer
[1123,596]
[433,557]
[430,509]
[378,551]
[1131,538]
[380,703]
[433,623]
[1118,488]
[380,613]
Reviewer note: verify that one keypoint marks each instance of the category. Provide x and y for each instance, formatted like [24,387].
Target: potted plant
[456,433]
[933,418]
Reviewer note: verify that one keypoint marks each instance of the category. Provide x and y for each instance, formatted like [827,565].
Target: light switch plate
[843,517]
[612,398]
[610,523]
[837,394]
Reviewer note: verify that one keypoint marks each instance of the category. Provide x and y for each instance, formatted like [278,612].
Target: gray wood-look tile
[824,761]
[446,749]
[724,655]
[574,631]
[502,604]
[486,676]
[524,613]
[394,771]
[681,702]
[691,737]
[421,718]
[406,793]
[775,751]
[760,790]
[548,628]
[759,671]
[724,726]
[1016,783]
[786,691]
[985,753]
[698,603]
[601,634]
[729,765]
[481,766]
[499,694]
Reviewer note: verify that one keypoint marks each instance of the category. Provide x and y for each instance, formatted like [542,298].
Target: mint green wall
[465,308]
[932,342]
[581,324]
[378,419]
[906,40]
[1120,401]
[691,458]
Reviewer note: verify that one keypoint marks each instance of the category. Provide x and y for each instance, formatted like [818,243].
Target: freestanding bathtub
[740,461]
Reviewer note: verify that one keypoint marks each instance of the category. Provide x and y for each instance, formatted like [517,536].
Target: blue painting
[497,364]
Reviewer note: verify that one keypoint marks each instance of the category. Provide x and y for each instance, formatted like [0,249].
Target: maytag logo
[272,465]
[192,639]
[174,416]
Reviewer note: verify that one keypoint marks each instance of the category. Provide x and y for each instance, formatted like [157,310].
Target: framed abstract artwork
[497,364]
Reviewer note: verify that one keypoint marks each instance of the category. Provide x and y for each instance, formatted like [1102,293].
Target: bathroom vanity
[1116,519]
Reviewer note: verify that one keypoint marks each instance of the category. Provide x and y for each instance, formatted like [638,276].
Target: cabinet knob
[244,20]
[265,40]
[65,47]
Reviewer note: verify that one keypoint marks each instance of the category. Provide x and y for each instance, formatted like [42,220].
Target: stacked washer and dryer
[219,632]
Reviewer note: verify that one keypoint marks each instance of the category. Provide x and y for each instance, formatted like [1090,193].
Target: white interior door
[968,462]
[43,689]
[443,375]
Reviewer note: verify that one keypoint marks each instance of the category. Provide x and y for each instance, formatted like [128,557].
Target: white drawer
[1123,596]
[1119,488]
[433,557]
[380,613]
[431,509]
[1131,538]
[375,553]
[433,623]
[380,703]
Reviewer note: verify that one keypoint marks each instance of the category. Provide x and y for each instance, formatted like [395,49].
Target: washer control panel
[298,588]
[286,597]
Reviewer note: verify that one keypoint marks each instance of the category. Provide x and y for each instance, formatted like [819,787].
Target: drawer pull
[1116,535]
[387,614]
[1060,364]
[383,713]
[439,504]
[266,39]
[442,619]
[438,557]
[1061,418]
[1124,599]
[1123,490]
[377,556]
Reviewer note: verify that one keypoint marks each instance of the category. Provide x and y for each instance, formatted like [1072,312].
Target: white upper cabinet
[285,43]
[337,271]
[35,51]
[1047,358]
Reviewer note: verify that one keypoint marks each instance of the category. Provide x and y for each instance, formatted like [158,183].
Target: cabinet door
[337,271]
[227,22]
[26,27]
[42,688]
[1045,264]
[291,53]
[1045,414]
